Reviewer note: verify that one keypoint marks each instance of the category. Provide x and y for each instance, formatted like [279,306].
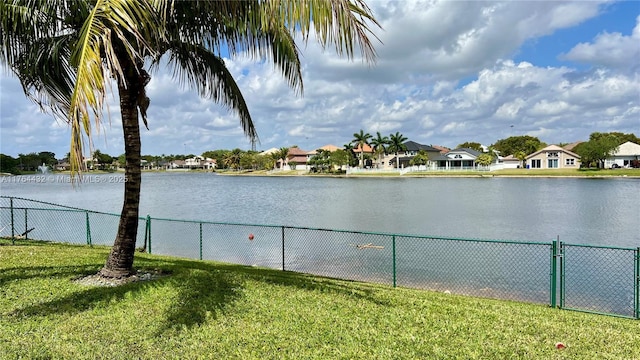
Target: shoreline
[610,174]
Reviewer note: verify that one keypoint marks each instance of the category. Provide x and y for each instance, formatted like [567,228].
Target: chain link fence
[604,280]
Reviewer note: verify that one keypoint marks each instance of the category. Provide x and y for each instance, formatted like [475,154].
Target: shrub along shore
[201,309]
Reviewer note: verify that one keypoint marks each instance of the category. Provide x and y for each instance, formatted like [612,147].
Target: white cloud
[612,50]
[445,75]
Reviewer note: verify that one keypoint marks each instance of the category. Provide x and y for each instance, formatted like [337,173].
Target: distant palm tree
[348,148]
[282,154]
[360,140]
[397,144]
[65,54]
[379,144]
[232,159]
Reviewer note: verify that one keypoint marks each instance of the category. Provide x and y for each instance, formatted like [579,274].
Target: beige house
[553,157]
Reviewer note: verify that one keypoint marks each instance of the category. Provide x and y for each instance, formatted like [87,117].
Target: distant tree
[8,164]
[379,144]
[359,141]
[484,159]
[520,155]
[249,160]
[104,160]
[396,145]
[339,158]
[232,160]
[621,138]
[29,162]
[471,145]
[217,155]
[422,158]
[353,159]
[321,160]
[599,147]
[511,145]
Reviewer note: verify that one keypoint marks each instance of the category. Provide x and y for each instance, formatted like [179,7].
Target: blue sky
[447,73]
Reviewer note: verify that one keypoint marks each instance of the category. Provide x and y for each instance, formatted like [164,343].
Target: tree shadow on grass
[359,290]
[24,273]
[203,290]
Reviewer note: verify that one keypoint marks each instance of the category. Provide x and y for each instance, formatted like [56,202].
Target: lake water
[577,210]
[526,211]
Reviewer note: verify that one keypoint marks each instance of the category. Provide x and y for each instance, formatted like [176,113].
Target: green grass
[212,310]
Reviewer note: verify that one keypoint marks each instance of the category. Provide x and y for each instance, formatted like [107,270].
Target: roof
[442,149]
[366,148]
[553,148]
[328,147]
[473,152]
[571,146]
[510,158]
[414,146]
[296,151]
[269,151]
[628,149]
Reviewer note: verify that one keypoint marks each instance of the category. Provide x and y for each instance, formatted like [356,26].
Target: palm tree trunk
[120,261]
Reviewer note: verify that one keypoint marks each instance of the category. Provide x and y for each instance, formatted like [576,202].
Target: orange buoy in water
[250,236]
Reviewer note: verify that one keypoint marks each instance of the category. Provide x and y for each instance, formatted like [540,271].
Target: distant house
[297,159]
[457,159]
[509,162]
[627,155]
[176,164]
[63,165]
[328,147]
[412,149]
[553,157]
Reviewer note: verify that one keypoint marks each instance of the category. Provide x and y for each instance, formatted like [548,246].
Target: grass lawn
[212,310]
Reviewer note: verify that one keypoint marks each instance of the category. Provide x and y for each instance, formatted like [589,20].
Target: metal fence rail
[604,280]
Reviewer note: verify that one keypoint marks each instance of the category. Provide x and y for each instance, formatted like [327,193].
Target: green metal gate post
[552,273]
[149,232]
[200,241]
[637,284]
[561,256]
[393,247]
[13,230]
[88,228]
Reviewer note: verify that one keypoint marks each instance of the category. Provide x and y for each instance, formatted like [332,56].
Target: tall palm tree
[360,140]
[397,144]
[379,144]
[65,53]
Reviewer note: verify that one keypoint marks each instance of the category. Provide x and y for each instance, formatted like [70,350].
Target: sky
[447,72]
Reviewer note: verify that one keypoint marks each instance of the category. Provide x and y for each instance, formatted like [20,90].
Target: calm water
[579,211]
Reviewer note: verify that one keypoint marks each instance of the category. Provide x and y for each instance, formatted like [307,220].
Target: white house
[624,156]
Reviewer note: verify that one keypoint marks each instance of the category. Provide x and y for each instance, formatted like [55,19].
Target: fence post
[561,256]
[282,248]
[88,228]
[148,228]
[637,284]
[552,273]
[393,247]
[200,241]
[26,225]
[13,230]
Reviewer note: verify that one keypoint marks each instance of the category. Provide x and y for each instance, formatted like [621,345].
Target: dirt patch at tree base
[140,275]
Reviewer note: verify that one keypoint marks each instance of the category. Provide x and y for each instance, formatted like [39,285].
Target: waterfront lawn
[214,310]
